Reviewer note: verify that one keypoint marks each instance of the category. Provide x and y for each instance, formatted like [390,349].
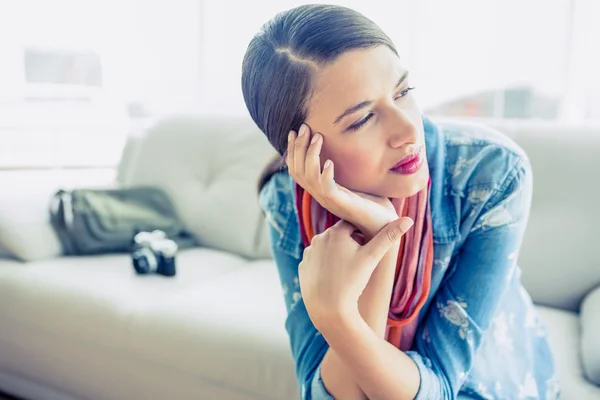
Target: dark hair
[280,62]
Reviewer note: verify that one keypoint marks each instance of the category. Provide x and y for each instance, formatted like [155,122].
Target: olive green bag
[93,221]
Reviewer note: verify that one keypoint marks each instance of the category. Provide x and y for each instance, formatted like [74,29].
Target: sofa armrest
[590,335]
[25,230]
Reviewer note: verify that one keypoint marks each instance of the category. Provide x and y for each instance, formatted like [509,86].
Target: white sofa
[89,328]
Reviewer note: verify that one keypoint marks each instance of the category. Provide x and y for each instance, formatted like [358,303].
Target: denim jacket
[479,334]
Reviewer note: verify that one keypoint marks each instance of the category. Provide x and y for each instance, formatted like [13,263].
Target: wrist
[340,322]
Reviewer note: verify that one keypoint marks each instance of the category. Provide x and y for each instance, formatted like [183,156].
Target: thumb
[385,238]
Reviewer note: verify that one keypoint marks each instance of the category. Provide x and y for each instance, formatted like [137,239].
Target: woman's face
[364,109]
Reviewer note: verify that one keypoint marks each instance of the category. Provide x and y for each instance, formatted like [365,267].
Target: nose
[401,129]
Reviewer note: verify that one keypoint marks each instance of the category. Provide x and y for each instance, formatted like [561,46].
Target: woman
[396,239]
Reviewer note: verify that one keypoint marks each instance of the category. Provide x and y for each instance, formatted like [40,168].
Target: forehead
[355,76]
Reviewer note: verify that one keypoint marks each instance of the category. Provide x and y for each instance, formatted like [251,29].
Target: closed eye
[359,124]
[404,92]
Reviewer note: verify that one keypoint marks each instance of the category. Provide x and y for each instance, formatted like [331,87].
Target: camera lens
[144,261]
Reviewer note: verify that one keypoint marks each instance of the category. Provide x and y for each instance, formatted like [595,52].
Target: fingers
[385,238]
[327,181]
[343,227]
[312,168]
[290,152]
[300,145]
[303,158]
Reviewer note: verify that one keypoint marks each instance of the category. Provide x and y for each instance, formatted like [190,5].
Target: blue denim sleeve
[464,305]
[307,344]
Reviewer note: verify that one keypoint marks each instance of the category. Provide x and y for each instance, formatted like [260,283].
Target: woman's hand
[367,212]
[335,270]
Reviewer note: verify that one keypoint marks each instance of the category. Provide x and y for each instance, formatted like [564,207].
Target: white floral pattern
[454,312]
[479,195]
[461,140]
[482,391]
[530,318]
[501,328]
[296,297]
[459,166]
[426,336]
[443,263]
[528,390]
[552,388]
[496,217]
[498,389]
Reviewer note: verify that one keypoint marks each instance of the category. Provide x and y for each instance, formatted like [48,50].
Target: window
[45,66]
[491,58]
[75,75]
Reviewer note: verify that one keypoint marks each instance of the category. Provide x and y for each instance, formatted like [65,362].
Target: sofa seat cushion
[231,332]
[217,328]
[564,337]
[94,298]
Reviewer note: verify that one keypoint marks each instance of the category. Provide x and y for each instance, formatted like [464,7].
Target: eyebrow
[365,103]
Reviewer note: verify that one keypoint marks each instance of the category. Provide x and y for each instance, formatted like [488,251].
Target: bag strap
[185,239]
[58,220]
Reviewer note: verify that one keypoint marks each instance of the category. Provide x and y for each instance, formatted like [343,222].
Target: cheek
[354,169]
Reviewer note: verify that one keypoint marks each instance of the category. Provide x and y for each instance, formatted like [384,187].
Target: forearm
[338,379]
[374,303]
[381,370]
[373,307]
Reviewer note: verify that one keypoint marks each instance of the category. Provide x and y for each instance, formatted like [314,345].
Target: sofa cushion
[231,332]
[564,337]
[93,298]
[212,176]
[25,230]
[217,328]
[590,335]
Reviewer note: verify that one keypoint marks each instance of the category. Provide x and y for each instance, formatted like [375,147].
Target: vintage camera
[154,253]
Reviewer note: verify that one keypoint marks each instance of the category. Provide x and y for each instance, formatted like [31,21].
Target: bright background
[76,76]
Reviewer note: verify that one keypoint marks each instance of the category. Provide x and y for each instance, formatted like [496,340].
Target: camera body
[154,253]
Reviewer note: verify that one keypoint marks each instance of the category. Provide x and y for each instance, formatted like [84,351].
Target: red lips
[409,164]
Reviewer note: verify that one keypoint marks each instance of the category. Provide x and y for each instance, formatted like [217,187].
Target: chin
[402,186]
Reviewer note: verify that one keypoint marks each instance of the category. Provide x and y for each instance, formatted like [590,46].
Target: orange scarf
[413,268]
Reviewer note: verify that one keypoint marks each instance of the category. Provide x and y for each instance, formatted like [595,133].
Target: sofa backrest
[212,165]
[558,257]
[209,166]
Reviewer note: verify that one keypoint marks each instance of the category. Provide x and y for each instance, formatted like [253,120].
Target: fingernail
[290,136]
[302,130]
[327,164]
[406,224]
[314,139]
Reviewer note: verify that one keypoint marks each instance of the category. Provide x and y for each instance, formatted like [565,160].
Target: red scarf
[413,268]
